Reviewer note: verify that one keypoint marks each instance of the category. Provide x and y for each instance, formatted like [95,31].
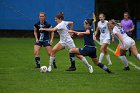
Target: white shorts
[128,41]
[68,45]
[106,41]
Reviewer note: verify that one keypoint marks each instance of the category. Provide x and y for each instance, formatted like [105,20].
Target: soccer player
[104,38]
[42,38]
[65,42]
[128,26]
[125,42]
[89,48]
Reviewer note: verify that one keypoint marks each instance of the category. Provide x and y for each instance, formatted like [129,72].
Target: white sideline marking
[132,64]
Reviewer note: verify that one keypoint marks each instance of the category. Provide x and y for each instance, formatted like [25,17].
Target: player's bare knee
[71,50]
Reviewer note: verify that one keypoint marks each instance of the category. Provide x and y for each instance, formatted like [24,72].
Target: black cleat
[54,65]
[71,69]
[126,68]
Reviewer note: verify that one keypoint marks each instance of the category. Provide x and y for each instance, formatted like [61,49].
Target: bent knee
[72,50]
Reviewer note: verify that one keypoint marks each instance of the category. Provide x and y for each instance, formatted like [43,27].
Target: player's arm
[96,32]
[52,36]
[112,36]
[80,33]
[35,34]
[121,39]
[49,29]
[70,25]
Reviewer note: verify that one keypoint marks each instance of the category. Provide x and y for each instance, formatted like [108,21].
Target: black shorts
[88,51]
[43,43]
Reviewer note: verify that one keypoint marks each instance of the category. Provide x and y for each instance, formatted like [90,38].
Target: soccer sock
[104,67]
[108,59]
[72,59]
[101,57]
[51,60]
[85,62]
[124,61]
[37,59]
[138,56]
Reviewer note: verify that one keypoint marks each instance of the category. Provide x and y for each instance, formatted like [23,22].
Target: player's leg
[55,49]
[101,65]
[101,51]
[135,51]
[107,55]
[70,45]
[82,58]
[36,54]
[124,60]
[49,51]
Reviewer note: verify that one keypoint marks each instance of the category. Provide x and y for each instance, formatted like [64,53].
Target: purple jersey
[127,25]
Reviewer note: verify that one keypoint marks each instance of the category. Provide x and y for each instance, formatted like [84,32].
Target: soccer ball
[43,69]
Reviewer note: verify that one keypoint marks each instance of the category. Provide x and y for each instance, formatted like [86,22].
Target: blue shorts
[43,43]
[88,51]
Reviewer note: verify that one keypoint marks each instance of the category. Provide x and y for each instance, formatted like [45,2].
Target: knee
[101,50]
[71,50]
[49,53]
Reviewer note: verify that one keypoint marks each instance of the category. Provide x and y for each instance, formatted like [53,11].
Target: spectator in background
[128,26]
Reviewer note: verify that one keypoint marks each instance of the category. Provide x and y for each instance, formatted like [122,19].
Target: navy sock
[37,59]
[72,59]
[104,67]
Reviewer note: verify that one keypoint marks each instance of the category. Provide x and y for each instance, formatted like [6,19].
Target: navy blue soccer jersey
[88,39]
[44,35]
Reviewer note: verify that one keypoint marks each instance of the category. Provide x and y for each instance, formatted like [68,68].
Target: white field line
[131,63]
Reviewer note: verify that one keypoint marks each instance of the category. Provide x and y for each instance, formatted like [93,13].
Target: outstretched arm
[49,29]
[80,33]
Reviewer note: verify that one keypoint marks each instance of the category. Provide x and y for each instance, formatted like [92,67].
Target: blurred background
[17,17]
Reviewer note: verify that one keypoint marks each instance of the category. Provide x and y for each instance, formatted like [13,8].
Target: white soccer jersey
[62,30]
[104,31]
[128,41]
[120,30]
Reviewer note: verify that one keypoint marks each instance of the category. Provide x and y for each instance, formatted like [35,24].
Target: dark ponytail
[60,15]
[89,21]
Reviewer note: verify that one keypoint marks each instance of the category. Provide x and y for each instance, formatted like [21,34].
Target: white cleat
[109,63]
[49,69]
[90,69]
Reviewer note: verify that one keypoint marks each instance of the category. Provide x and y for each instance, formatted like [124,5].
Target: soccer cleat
[54,65]
[90,69]
[126,68]
[49,69]
[71,69]
[109,63]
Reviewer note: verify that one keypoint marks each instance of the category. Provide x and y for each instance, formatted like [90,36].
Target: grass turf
[18,75]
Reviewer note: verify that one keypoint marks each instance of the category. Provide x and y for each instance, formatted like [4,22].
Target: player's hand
[123,48]
[41,29]
[37,40]
[78,33]
[51,42]
[94,37]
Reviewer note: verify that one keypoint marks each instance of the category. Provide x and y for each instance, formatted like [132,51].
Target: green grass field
[18,75]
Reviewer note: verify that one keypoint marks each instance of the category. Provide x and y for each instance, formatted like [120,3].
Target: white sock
[85,62]
[51,60]
[124,61]
[138,56]
[101,57]
[108,59]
